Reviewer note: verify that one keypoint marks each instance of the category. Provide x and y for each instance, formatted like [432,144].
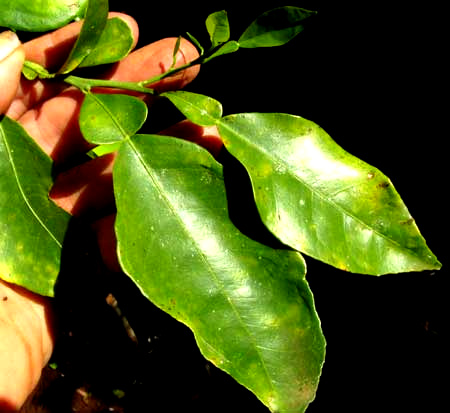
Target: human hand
[49,113]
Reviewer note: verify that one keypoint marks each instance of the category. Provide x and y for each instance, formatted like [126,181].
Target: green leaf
[227,48]
[275,27]
[200,109]
[32,70]
[104,149]
[39,15]
[110,118]
[91,31]
[249,306]
[320,200]
[218,27]
[32,227]
[176,49]
[114,44]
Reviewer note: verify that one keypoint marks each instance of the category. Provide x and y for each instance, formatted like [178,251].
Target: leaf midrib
[204,259]
[319,193]
[23,193]
[112,117]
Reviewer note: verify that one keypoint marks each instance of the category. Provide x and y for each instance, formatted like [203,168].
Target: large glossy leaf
[110,118]
[275,27]
[321,200]
[39,15]
[248,305]
[114,44]
[91,31]
[32,227]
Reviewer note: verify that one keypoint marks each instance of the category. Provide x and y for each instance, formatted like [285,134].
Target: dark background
[372,75]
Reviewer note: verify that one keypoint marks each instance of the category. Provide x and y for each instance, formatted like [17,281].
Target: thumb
[12,57]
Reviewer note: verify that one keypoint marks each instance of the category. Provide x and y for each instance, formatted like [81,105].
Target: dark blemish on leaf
[407,221]
[383,185]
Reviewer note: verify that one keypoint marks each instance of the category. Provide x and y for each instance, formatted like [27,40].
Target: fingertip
[12,56]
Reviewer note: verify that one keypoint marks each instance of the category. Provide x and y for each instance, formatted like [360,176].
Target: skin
[49,113]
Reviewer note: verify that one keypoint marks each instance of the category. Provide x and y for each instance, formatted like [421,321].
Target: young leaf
[176,49]
[227,48]
[249,306]
[200,109]
[218,27]
[197,44]
[320,200]
[114,44]
[111,118]
[39,15]
[91,31]
[32,227]
[275,27]
[32,70]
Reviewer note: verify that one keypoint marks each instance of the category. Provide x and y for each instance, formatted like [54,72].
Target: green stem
[87,84]
[173,71]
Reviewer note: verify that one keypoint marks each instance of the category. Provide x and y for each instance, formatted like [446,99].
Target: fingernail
[8,43]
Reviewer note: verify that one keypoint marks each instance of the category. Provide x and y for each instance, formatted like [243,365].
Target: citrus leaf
[111,118]
[40,15]
[218,27]
[114,44]
[197,44]
[249,306]
[320,200]
[200,109]
[275,27]
[32,70]
[226,48]
[32,226]
[91,31]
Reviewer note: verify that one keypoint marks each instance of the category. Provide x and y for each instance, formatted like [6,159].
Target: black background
[372,75]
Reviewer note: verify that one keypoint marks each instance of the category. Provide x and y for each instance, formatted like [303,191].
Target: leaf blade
[113,45]
[187,257]
[218,27]
[275,27]
[321,200]
[91,31]
[200,109]
[32,226]
[111,118]
[39,15]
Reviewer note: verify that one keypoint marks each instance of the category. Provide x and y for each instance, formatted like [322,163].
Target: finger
[151,61]
[85,189]
[25,346]
[53,124]
[206,136]
[50,51]
[12,57]
[107,241]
